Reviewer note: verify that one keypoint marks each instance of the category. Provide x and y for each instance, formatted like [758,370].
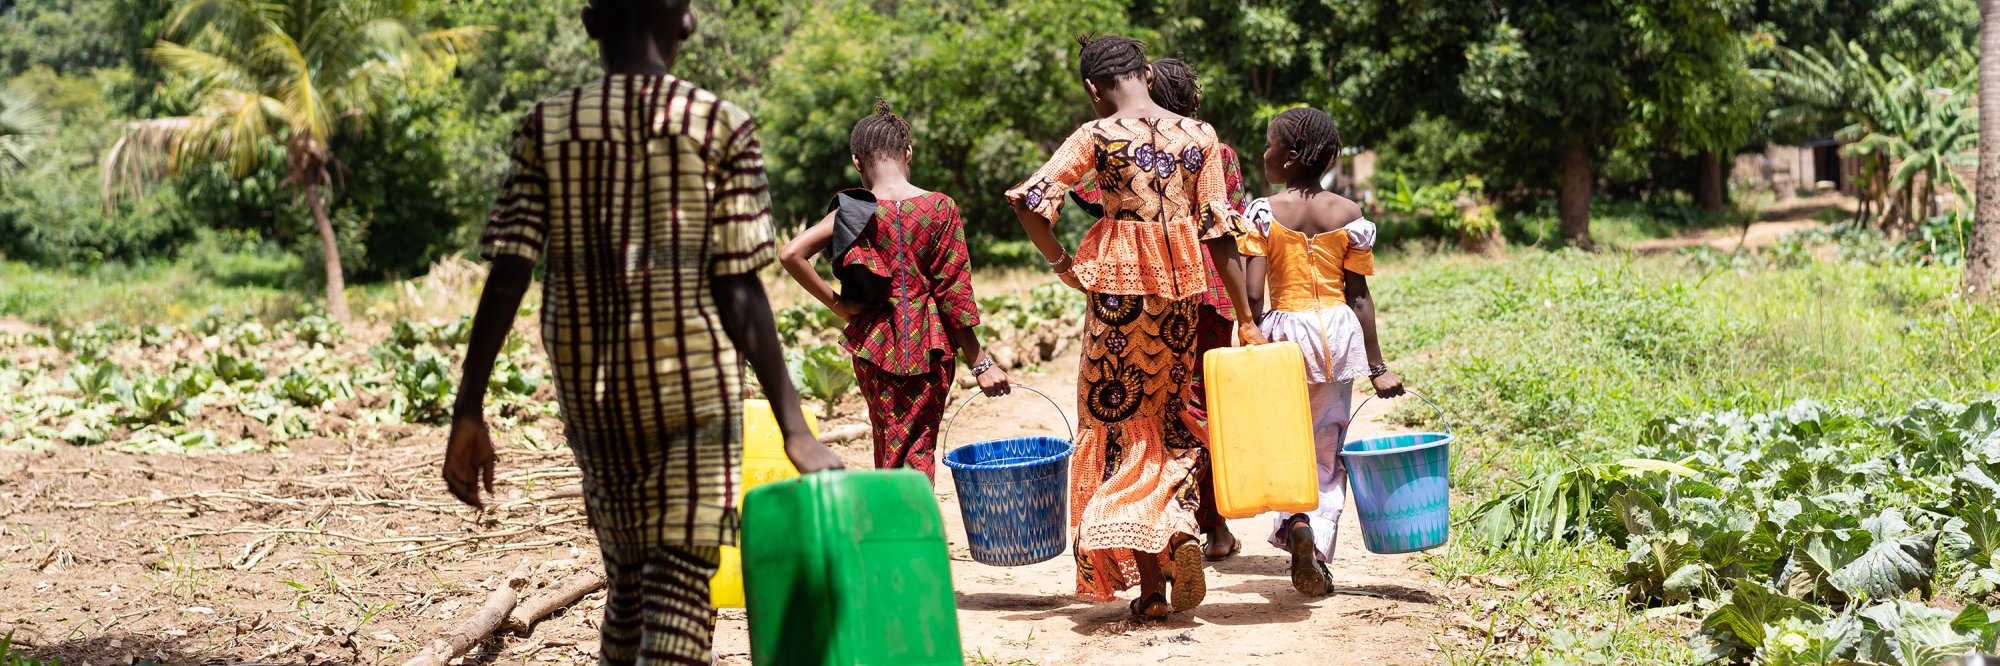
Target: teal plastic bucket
[1402,489]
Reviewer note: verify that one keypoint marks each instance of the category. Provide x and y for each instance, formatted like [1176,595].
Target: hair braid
[880,135]
[1107,59]
[1174,86]
[1311,133]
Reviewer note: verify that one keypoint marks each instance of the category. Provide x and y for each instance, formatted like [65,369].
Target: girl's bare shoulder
[1337,211]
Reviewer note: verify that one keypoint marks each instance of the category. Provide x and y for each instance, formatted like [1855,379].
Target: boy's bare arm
[747,318]
[468,457]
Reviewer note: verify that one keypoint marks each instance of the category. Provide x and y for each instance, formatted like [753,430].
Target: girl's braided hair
[881,135]
[1105,60]
[1174,87]
[1310,132]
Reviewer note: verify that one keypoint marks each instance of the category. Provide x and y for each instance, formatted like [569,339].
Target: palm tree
[1926,127]
[1914,124]
[23,122]
[1982,255]
[288,72]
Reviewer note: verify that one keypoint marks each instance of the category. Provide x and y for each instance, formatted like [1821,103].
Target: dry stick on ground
[573,588]
[466,634]
[846,433]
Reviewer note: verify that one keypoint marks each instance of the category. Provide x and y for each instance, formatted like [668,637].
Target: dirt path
[1773,222]
[1387,611]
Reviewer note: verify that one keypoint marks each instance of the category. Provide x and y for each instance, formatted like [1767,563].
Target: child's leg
[656,606]
[904,412]
[677,611]
[624,608]
[1330,406]
[931,396]
[876,391]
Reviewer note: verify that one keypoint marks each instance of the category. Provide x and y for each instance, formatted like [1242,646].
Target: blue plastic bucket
[1014,496]
[1402,490]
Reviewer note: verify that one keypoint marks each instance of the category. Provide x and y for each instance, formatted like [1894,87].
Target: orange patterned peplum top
[1163,193]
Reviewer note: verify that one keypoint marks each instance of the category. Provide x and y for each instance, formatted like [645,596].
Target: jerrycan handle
[944,438]
[1448,429]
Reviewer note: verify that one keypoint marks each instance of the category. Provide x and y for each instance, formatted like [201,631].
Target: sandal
[1140,604]
[1190,586]
[1309,577]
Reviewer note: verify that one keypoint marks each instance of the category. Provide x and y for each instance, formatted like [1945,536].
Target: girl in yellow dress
[1317,251]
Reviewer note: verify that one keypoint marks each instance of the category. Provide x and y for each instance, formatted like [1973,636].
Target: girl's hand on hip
[995,382]
[1388,385]
[847,310]
[1250,334]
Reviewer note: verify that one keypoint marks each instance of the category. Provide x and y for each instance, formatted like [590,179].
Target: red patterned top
[921,243]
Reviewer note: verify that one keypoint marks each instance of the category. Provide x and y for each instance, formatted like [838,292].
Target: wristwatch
[1378,370]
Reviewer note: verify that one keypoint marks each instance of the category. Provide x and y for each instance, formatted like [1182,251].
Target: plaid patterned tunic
[920,244]
[638,190]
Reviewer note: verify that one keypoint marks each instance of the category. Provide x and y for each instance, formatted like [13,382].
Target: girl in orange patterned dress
[1133,485]
[919,310]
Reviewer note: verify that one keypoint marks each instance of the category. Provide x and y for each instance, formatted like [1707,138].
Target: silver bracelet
[985,363]
[1378,370]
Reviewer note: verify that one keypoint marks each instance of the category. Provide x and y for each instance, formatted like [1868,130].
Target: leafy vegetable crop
[1807,535]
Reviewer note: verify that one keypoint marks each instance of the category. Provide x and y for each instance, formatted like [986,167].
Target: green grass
[129,296]
[1550,359]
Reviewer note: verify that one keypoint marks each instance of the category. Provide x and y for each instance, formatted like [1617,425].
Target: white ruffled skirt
[1330,337]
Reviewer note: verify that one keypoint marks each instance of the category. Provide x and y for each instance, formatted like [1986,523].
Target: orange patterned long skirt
[1132,478]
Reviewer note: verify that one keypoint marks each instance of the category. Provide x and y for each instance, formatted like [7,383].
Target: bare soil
[347,549]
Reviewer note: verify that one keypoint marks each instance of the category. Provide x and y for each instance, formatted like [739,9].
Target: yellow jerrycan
[764,461]
[1260,430]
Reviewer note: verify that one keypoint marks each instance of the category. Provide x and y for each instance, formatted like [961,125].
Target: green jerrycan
[848,568]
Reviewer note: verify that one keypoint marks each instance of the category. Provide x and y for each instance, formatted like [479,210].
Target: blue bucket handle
[1448,429]
[944,438]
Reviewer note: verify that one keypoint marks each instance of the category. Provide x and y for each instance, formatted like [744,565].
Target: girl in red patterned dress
[914,308]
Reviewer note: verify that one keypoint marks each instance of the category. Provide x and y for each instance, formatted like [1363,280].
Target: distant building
[1806,167]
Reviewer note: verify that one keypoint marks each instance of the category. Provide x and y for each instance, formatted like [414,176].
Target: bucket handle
[1448,429]
[944,438]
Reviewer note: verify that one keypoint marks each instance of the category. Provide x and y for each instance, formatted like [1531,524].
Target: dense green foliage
[1445,91]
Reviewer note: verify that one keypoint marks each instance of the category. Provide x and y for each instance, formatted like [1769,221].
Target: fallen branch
[846,433]
[461,638]
[533,610]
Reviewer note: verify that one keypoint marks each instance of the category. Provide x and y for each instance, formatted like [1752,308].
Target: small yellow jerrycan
[1260,430]
[764,461]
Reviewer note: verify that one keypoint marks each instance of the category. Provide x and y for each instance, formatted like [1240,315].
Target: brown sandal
[1146,601]
[1309,577]
[1190,585]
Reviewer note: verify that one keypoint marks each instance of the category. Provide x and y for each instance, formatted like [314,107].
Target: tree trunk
[1982,251]
[336,281]
[1711,195]
[1573,196]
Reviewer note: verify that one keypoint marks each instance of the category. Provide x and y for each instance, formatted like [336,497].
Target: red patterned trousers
[904,412]
[1212,331]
